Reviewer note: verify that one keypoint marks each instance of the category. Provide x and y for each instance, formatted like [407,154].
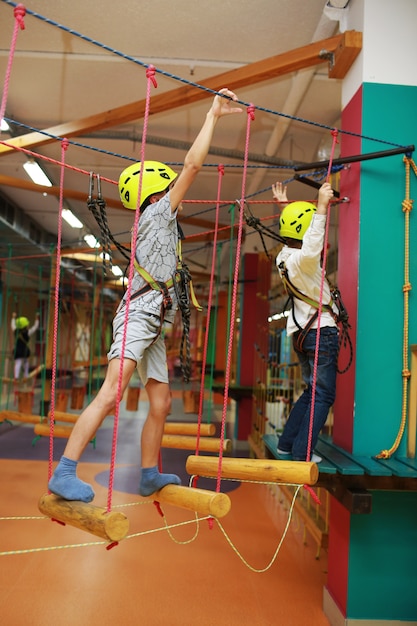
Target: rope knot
[407,205]
[150,73]
[65,144]
[19,13]
[334,134]
[251,111]
[384,454]
[406,374]
[220,169]
[407,287]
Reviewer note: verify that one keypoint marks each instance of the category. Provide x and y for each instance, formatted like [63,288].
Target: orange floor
[191,575]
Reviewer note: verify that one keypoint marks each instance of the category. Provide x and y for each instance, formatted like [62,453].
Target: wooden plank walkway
[339,461]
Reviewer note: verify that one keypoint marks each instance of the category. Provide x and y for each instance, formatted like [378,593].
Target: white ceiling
[57,77]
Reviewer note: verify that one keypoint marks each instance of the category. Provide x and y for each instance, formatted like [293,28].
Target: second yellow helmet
[295,219]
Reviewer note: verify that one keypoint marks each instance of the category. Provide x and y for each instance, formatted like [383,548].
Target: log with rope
[110,525]
[259,470]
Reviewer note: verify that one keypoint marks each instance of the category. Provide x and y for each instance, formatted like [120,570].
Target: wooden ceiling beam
[266,69]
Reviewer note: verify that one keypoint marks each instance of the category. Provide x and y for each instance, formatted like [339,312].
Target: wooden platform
[338,461]
[351,479]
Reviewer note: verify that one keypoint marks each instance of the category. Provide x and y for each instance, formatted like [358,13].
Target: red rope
[250,118]
[64,147]
[220,170]
[19,14]
[150,75]
[323,275]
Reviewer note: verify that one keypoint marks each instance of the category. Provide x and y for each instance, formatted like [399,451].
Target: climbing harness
[180,281]
[184,291]
[340,316]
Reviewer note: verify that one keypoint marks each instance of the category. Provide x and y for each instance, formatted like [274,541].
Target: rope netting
[151,71]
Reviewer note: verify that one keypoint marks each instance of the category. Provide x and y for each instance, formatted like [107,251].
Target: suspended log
[273,471]
[43,430]
[18,416]
[110,525]
[62,416]
[185,442]
[170,428]
[189,428]
[202,501]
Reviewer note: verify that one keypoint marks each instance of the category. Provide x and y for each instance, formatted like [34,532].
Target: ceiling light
[91,241]
[116,270]
[36,173]
[71,219]
[4,125]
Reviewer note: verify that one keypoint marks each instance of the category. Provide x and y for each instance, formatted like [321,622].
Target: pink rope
[250,118]
[19,14]
[64,147]
[220,169]
[323,274]
[150,75]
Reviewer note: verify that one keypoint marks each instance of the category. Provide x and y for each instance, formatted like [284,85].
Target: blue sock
[151,480]
[64,482]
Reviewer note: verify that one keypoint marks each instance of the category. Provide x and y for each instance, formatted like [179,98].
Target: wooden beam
[345,54]
[251,74]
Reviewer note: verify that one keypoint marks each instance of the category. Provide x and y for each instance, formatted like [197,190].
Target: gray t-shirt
[156,252]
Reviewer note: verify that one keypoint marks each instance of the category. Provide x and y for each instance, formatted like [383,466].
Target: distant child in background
[21,350]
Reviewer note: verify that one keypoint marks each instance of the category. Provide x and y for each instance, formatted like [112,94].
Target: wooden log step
[292,472]
[202,501]
[185,442]
[112,525]
[189,428]
[18,416]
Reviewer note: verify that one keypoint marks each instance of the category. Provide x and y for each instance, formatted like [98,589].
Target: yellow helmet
[22,322]
[295,219]
[156,178]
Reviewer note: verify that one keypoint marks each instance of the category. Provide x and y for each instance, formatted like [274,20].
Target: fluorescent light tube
[36,173]
[71,219]
[116,270]
[91,241]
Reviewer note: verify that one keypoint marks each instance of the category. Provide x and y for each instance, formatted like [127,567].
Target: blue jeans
[295,436]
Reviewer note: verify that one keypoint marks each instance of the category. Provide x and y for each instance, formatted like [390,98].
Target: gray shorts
[141,345]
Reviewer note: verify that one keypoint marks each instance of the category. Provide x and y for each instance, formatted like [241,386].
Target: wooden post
[292,472]
[191,400]
[61,402]
[25,401]
[132,401]
[77,397]
[110,525]
[185,442]
[202,501]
